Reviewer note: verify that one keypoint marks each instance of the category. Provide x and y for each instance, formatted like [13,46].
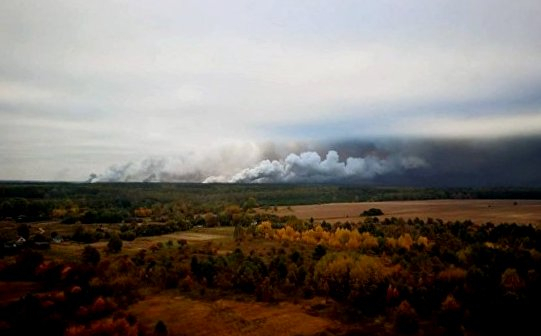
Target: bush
[372,212]
[128,235]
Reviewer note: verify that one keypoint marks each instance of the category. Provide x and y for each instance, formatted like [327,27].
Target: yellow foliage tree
[143,212]
[265,229]
[423,241]
[405,241]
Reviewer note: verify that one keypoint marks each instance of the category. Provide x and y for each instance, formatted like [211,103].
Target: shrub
[372,212]
[128,235]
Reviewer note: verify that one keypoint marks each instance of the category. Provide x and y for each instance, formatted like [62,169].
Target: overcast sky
[209,88]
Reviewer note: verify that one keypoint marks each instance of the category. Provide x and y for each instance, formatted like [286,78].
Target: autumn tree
[115,244]
[406,320]
[90,255]
[160,329]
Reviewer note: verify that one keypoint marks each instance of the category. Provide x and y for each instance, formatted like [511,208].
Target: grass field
[71,251]
[184,316]
[478,211]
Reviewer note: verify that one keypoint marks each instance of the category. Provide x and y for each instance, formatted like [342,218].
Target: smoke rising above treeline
[309,167]
[453,163]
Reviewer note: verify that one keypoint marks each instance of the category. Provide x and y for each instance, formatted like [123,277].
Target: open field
[185,316]
[71,251]
[478,211]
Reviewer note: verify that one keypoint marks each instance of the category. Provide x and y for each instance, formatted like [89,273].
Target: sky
[414,92]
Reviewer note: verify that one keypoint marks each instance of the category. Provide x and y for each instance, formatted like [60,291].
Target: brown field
[478,211]
[184,316]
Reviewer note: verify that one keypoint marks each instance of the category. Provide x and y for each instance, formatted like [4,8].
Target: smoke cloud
[310,167]
[415,163]
[191,166]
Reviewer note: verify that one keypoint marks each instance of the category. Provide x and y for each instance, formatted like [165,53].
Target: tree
[115,244]
[211,220]
[238,233]
[91,255]
[319,252]
[450,315]
[23,230]
[160,329]
[406,320]
[250,203]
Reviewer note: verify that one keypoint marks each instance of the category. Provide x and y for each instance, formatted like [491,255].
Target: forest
[92,255]
[115,202]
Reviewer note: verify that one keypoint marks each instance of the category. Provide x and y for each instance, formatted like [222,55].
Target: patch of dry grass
[69,251]
[184,316]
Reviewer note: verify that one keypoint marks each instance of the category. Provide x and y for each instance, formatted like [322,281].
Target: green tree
[250,203]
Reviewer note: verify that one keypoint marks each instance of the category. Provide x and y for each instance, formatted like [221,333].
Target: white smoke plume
[309,167]
[192,166]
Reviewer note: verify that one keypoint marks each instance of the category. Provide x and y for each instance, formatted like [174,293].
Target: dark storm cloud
[460,162]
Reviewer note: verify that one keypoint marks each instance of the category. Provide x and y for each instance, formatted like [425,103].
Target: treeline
[116,202]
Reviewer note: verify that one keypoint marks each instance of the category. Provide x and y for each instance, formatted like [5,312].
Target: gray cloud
[87,84]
